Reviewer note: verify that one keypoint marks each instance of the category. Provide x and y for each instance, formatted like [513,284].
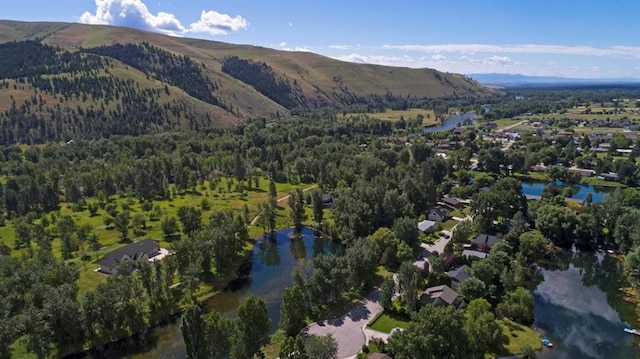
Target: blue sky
[589,39]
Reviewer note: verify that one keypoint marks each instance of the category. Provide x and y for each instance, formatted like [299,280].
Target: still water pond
[582,311]
[270,274]
[579,191]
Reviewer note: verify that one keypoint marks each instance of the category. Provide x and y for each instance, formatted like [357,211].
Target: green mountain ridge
[148,82]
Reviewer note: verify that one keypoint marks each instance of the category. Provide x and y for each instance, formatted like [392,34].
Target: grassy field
[519,336]
[218,198]
[386,321]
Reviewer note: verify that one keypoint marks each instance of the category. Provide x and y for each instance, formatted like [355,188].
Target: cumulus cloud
[134,13]
[215,23]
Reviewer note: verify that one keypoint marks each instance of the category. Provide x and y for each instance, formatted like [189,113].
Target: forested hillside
[64,81]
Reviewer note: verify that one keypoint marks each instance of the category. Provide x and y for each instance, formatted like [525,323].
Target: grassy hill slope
[302,79]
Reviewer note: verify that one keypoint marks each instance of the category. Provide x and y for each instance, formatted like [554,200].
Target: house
[327,200]
[471,253]
[427,226]
[133,253]
[459,275]
[441,295]
[485,241]
[438,213]
[610,176]
[453,202]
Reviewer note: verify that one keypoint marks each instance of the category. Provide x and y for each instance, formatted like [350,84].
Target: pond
[580,307]
[450,123]
[579,191]
[269,274]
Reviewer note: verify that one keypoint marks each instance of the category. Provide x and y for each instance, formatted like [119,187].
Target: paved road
[348,329]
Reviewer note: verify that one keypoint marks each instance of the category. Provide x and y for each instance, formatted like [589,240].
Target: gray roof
[442,292]
[112,259]
[470,253]
[426,225]
[441,211]
[461,273]
[451,201]
[485,240]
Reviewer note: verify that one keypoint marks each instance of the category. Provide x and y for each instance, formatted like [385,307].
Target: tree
[519,305]
[556,223]
[194,333]
[253,326]
[121,221]
[481,328]
[408,281]
[293,311]
[316,205]
[472,288]
[321,347]
[293,348]
[533,246]
[387,291]
[191,219]
[435,332]
[406,230]
[219,332]
[267,216]
[296,205]
[170,229]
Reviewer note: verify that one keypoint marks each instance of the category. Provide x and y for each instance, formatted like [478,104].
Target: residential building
[485,241]
[438,213]
[133,253]
[459,275]
[441,295]
[427,226]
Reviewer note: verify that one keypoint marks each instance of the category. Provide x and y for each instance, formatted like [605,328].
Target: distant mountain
[67,80]
[515,80]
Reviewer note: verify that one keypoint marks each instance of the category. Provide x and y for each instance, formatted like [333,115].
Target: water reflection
[266,276]
[581,308]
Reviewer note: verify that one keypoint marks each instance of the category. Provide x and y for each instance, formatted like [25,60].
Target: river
[450,122]
[580,307]
[270,274]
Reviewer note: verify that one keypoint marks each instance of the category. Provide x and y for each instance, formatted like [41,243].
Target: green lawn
[461,212]
[389,320]
[518,336]
[448,224]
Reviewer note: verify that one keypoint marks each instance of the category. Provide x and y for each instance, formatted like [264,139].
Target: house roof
[471,253]
[451,201]
[111,259]
[442,292]
[426,225]
[461,273]
[485,240]
[441,211]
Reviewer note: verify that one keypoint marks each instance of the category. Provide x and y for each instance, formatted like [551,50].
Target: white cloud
[215,23]
[134,13]
[439,57]
[282,44]
[500,60]
[290,24]
[344,47]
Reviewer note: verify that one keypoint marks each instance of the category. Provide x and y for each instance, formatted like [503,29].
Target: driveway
[348,330]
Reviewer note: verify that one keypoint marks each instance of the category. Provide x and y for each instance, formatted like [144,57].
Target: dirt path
[348,330]
[507,128]
[255,219]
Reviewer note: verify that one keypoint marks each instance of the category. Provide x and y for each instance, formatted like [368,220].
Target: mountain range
[65,80]
[517,80]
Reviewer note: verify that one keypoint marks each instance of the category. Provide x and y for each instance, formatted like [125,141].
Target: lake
[579,191]
[581,309]
[269,274]
[450,123]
